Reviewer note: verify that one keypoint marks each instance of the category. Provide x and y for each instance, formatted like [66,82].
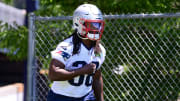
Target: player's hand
[89,68]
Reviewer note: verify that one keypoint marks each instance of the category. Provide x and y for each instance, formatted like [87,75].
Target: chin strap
[81,36]
[89,35]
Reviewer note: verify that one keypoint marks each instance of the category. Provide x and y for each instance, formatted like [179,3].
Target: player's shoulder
[103,50]
[63,50]
[102,54]
[65,45]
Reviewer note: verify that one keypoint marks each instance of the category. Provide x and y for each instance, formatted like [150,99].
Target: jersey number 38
[88,79]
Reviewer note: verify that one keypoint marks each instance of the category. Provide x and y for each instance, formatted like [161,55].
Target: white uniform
[80,85]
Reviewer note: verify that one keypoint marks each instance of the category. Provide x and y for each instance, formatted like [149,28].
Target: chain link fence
[142,61]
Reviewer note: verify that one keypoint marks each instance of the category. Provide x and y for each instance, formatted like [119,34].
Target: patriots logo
[65,55]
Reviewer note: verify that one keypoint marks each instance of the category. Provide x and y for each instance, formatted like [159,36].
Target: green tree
[66,7]
[114,6]
[15,40]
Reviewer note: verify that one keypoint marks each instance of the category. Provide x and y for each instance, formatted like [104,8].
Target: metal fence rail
[142,62]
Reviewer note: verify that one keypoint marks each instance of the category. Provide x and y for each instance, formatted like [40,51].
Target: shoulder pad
[65,46]
[103,50]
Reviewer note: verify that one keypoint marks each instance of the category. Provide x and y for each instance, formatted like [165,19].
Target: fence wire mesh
[142,61]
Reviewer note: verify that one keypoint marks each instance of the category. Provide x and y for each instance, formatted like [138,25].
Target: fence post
[30,65]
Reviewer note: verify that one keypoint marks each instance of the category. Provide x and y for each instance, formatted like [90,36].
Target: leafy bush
[15,39]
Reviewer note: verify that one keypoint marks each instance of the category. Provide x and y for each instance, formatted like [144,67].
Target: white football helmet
[88,21]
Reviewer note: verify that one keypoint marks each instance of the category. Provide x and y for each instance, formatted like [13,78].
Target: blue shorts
[90,96]
[57,97]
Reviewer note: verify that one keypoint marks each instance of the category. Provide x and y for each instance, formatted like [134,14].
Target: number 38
[88,80]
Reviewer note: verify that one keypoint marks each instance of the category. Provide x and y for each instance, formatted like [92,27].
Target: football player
[75,65]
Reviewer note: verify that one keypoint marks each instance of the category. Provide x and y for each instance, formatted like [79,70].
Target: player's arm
[58,73]
[98,86]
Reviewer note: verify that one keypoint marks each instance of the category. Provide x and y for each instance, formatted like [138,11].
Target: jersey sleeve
[62,52]
[102,55]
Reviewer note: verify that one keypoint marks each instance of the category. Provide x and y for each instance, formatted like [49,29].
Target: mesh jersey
[80,85]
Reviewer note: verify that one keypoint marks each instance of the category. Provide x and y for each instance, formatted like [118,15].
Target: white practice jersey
[80,85]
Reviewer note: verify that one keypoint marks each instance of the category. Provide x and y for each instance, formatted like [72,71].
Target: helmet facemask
[91,29]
